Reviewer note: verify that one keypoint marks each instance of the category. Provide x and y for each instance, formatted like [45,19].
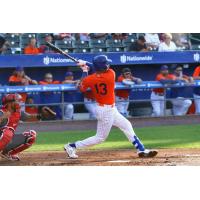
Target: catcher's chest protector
[13,121]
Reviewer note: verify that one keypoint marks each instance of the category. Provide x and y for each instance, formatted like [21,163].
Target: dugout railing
[71,87]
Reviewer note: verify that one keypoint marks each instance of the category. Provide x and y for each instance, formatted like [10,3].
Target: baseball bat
[58,50]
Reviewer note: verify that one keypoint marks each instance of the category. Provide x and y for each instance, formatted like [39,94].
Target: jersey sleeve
[196,72]
[85,84]
[113,73]
[159,77]
[171,77]
[12,79]
[120,79]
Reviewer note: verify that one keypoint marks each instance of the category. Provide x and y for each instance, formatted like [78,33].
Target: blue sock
[138,144]
[72,145]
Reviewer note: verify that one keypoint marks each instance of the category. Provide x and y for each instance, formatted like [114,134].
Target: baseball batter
[12,144]
[102,84]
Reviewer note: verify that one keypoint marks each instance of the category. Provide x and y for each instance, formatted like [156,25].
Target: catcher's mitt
[47,114]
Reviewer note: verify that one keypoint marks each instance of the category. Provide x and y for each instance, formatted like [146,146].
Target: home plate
[119,161]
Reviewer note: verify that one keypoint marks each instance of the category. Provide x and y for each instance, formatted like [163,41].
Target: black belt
[159,94]
[123,98]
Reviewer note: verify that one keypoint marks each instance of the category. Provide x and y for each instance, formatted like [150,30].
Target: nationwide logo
[33,89]
[125,58]
[48,60]
[196,57]
[48,88]
[21,89]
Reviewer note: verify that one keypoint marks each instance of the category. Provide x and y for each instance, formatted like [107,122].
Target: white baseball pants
[181,106]
[68,111]
[107,117]
[197,103]
[122,105]
[91,107]
[158,104]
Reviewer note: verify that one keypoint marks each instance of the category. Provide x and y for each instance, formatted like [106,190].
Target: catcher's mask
[12,98]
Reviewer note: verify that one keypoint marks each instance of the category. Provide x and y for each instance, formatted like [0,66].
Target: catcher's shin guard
[6,136]
[20,142]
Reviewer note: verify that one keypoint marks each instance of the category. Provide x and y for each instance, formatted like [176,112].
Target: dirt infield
[166,157]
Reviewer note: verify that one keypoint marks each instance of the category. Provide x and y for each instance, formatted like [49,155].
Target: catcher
[12,144]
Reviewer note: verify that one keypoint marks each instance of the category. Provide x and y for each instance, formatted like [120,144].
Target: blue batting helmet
[101,62]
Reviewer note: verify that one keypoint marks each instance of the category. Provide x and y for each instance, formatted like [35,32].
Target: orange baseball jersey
[102,86]
[18,80]
[161,77]
[122,93]
[31,50]
[89,95]
[46,83]
[196,72]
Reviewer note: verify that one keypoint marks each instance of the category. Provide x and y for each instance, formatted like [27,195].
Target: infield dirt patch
[165,157]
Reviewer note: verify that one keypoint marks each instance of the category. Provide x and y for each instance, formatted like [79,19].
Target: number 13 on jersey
[101,88]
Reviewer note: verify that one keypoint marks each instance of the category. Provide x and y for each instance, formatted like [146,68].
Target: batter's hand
[81,63]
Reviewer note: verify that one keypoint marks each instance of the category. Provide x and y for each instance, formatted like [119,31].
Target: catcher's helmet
[11,98]
[101,62]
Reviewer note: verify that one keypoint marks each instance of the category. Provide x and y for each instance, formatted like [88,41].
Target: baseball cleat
[147,153]
[71,152]
[10,157]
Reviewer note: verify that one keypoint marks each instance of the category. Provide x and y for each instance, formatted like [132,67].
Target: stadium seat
[95,43]
[68,50]
[81,50]
[113,43]
[63,44]
[97,50]
[126,49]
[14,44]
[13,37]
[24,42]
[15,47]
[194,38]
[41,41]
[25,38]
[42,35]
[182,48]
[28,35]
[196,47]
[114,49]
[127,42]
[80,44]
[132,36]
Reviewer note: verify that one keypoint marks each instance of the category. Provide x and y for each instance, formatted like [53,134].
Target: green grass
[184,136]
